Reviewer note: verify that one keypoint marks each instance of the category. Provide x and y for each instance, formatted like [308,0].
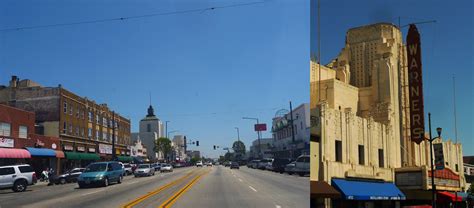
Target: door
[7,176]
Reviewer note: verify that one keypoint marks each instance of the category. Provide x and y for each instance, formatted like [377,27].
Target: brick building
[85,129]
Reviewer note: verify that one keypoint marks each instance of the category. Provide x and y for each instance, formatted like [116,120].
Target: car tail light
[34,178]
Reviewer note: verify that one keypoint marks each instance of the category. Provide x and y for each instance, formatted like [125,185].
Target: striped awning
[59,154]
[14,153]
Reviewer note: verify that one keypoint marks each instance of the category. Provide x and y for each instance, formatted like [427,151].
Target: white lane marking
[240,180]
[277,206]
[91,193]
[253,188]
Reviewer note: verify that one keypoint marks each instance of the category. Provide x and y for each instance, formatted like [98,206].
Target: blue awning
[41,152]
[367,190]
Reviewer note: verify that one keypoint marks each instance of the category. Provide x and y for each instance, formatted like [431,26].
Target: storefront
[12,156]
[357,193]
[79,159]
[322,191]
[42,159]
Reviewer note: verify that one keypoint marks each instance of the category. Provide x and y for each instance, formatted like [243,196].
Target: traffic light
[197,143]
[214,147]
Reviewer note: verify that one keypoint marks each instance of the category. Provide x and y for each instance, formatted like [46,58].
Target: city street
[215,186]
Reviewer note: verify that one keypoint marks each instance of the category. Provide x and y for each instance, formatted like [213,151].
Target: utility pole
[433,186]
[238,134]
[166,127]
[292,132]
[113,136]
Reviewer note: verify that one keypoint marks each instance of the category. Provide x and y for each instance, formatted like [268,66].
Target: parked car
[144,170]
[254,163]
[69,176]
[199,164]
[279,164]
[209,164]
[101,173]
[234,165]
[290,167]
[227,164]
[166,167]
[263,163]
[156,166]
[269,166]
[302,165]
[127,169]
[17,177]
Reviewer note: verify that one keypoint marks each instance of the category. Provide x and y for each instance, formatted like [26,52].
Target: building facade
[151,128]
[83,126]
[265,146]
[360,128]
[179,148]
[283,145]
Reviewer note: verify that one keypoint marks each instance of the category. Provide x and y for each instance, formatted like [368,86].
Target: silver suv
[302,165]
[17,177]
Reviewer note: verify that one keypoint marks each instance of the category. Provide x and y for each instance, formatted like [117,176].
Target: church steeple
[151,112]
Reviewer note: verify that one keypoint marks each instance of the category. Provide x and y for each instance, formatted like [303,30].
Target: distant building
[193,154]
[138,149]
[82,126]
[283,145]
[179,147]
[264,147]
[151,128]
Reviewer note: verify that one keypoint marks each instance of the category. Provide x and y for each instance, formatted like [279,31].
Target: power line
[130,17]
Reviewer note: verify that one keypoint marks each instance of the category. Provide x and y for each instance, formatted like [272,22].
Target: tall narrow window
[64,127]
[65,107]
[381,160]
[23,132]
[338,151]
[148,127]
[361,155]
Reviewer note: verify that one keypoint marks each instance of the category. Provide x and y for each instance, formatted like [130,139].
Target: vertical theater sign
[415,81]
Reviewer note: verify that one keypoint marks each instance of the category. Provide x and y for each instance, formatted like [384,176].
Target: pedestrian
[51,176]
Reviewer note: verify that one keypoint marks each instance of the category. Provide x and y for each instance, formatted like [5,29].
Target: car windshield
[96,168]
[143,166]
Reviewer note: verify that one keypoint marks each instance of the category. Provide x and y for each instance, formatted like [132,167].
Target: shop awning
[138,160]
[321,189]
[81,156]
[124,158]
[14,153]
[367,190]
[59,154]
[41,152]
[445,196]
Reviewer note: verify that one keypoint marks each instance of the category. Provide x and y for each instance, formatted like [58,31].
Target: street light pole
[113,136]
[238,134]
[433,185]
[166,127]
[258,136]
[292,132]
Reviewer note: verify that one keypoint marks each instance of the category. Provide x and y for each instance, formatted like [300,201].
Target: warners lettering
[417,120]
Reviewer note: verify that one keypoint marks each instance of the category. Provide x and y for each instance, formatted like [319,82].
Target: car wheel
[19,186]
[106,182]
[62,180]
[301,174]
[290,173]
[153,173]
[119,179]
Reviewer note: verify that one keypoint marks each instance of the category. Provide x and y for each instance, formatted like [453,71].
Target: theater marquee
[415,81]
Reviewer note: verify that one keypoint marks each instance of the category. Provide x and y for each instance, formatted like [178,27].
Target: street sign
[260,127]
[415,83]
[439,157]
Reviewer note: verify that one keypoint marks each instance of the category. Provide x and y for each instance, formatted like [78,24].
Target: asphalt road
[194,187]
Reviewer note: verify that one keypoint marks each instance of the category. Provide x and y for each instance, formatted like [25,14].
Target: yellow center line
[148,195]
[172,199]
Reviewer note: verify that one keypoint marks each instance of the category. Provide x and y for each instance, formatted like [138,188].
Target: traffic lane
[52,194]
[284,190]
[220,189]
[155,200]
[115,195]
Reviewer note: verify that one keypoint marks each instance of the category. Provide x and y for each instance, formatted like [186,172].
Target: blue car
[101,173]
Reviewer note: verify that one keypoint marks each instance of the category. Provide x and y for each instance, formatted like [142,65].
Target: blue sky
[447,50]
[205,70]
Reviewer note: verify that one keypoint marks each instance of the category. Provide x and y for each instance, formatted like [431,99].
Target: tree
[229,156]
[239,149]
[163,145]
[471,189]
[194,160]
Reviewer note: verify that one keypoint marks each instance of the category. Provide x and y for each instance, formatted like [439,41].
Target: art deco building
[360,115]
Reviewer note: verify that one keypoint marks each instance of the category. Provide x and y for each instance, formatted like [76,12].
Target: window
[64,127]
[90,133]
[148,127]
[381,160]
[70,128]
[301,124]
[296,129]
[65,107]
[5,129]
[97,119]
[26,169]
[71,110]
[104,121]
[78,112]
[7,171]
[457,168]
[97,135]
[338,151]
[91,116]
[23,132]
[361,155]
[77,130]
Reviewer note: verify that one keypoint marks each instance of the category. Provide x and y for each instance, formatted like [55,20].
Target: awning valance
[321,189]
[59,154]
[124,158]
[367,190]
[445,196]
[41,152]
[14,153]
[81,156]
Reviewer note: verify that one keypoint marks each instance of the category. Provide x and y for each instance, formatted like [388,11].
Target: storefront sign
[6,142]
[415,82]
[105,149]
[91,149]
[409,179]
[439,157]
[68,147]
[260,127]
[81,148]
[39,143]
[54,146]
